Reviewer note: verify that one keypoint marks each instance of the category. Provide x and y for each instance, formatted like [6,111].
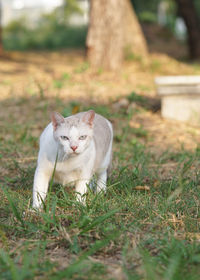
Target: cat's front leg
[40,186]
[81,189]
[101,182]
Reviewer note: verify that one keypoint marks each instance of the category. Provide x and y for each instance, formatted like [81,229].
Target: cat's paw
[30,212]
[35,210]
[81,198]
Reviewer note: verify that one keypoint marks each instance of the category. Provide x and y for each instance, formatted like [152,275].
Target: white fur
[92,155]
[102,174]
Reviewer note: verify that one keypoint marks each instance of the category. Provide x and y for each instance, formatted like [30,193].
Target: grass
[128,233]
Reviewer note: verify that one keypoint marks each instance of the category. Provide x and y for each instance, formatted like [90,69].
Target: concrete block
[180,97]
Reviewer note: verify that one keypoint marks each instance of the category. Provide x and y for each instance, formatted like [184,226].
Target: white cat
[82,144]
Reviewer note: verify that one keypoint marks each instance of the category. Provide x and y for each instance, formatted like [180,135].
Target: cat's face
[74,134]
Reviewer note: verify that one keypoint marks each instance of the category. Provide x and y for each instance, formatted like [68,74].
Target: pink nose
[74,148]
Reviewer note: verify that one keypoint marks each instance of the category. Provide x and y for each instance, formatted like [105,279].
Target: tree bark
[187,11]
[134,40]
[113,27]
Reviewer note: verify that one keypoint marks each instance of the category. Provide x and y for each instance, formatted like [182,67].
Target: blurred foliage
[57,37]
[147,11]
[197,6]
[141,6]
[70,7]
[147,16]
[53,31]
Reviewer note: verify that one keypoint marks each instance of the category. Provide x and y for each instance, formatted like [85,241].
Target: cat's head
[74,133]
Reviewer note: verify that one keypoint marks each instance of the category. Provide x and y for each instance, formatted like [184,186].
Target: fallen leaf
[75,109]
[156,183]
[142,188]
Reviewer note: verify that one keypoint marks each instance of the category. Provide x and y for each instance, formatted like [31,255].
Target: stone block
[180,97]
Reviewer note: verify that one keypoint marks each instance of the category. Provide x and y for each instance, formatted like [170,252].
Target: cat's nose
[74,148]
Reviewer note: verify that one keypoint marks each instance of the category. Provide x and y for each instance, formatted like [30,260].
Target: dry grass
[31,74]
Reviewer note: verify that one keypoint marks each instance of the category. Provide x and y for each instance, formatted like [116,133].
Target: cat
[79,146]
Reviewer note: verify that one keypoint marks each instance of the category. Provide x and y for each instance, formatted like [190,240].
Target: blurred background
[54,24]
[61,24]
[57,46]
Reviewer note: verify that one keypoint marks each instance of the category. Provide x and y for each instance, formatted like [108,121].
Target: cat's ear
[88,117]
[57,119]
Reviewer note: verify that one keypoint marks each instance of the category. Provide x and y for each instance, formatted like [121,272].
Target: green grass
[127,233]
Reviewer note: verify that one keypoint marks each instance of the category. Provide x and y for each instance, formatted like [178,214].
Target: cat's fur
[82,144]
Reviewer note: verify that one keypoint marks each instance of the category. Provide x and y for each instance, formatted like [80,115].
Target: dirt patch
[167,134]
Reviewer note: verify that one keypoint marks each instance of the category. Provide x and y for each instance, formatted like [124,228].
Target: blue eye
[64,138]
[83,137]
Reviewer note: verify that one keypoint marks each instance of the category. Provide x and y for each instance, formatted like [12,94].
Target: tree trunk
[105,34]
[113,27]
[187,10]
[134,40]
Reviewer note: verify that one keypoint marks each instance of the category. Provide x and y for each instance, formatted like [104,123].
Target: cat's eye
[83,137]
[64,137]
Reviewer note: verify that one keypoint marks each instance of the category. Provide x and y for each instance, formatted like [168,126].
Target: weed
[130,56]
[134,97]
[82,68]
[155,65]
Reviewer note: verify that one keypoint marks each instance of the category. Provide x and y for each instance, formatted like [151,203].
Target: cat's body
[82,144]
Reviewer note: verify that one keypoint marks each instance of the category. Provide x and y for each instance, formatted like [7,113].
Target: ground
[147,224]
